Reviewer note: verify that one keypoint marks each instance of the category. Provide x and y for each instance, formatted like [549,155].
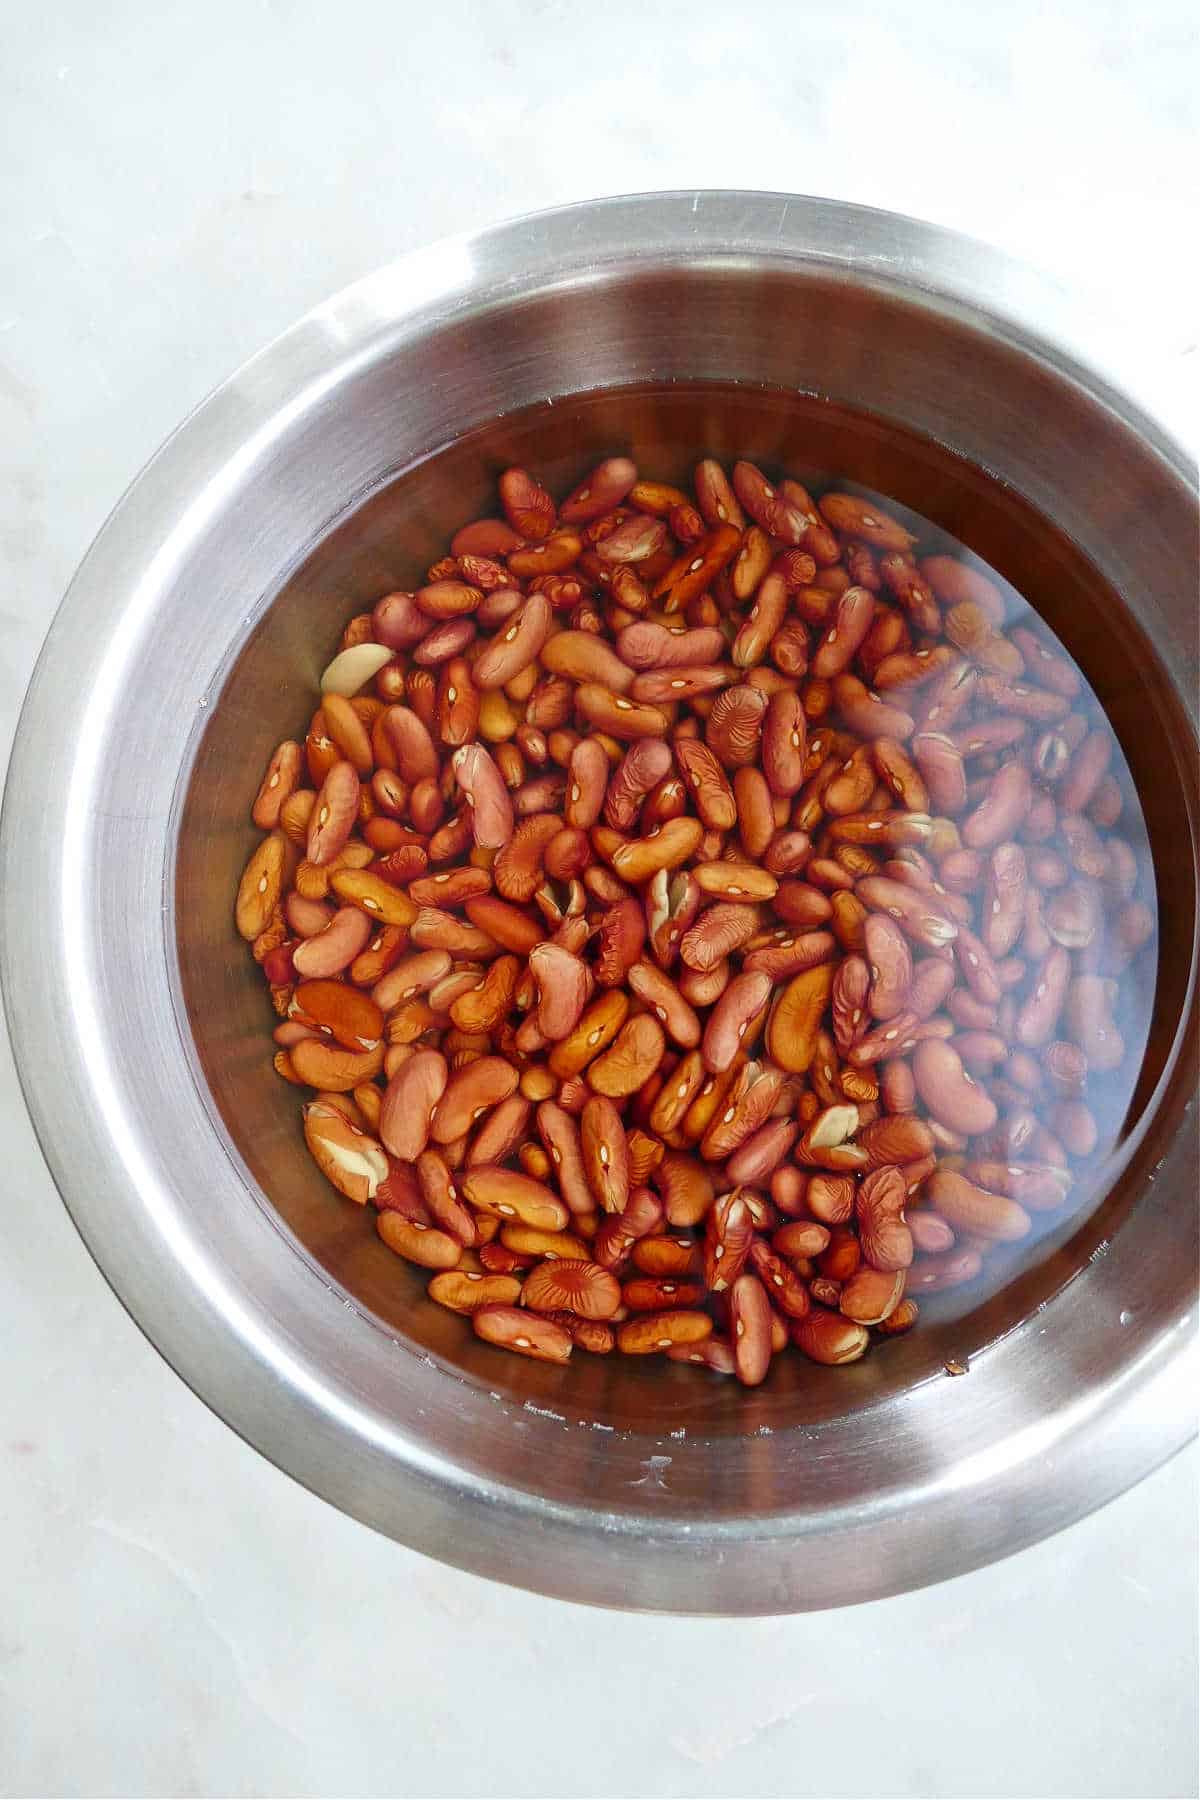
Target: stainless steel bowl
[816,336]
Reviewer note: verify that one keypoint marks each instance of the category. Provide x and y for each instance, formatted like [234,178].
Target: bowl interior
[384,539]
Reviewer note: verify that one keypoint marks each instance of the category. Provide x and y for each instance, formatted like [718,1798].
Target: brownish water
[388,539]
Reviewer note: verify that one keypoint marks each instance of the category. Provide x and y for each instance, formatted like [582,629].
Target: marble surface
[176,185]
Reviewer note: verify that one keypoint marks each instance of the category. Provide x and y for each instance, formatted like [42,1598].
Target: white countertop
[176,185]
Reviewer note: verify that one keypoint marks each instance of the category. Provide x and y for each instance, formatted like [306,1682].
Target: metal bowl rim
[587,242]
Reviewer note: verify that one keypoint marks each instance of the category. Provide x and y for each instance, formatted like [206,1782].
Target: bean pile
[700,919]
